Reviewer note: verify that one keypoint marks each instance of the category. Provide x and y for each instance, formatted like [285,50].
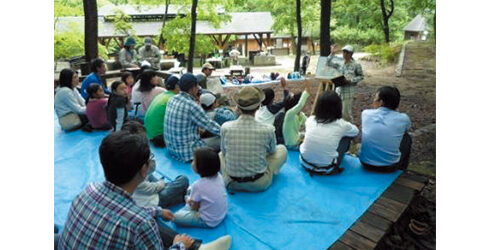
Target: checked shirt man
[183,118]
[352,72]
[249,154]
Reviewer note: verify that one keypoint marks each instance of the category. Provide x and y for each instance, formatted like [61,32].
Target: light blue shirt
[382,133]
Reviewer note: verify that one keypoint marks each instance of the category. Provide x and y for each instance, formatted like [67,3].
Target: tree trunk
[91,32]
[193,37]
[434,25]
[300,37]
[326,7]
[167,3]
[386,17]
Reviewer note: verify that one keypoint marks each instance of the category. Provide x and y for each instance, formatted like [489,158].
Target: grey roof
[241,23]
[417,24]
[138,10]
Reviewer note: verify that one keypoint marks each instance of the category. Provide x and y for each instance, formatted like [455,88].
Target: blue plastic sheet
[296,212]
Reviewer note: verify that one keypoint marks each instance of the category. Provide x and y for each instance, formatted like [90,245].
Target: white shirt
[68,100]
[263,115]
[322,140]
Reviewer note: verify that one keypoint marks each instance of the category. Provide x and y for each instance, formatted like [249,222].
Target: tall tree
[167,3]
[192,41]
[91,31]
[300,37]
[326,10]
[386,17]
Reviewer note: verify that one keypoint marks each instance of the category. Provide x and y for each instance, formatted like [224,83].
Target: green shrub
[346,35]
[70,44]
[386,53]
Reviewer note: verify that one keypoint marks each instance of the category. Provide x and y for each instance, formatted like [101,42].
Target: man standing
[184,115]
[150,53]
[98,68]
[385,144]
[249,155]
[206,71]
[234,53]
[352,72]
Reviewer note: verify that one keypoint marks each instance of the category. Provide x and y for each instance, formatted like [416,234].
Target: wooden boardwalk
[368,230]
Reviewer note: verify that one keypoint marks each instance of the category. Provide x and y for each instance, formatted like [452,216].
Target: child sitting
[96,103]
[207,204]
[117,111]
[128,79]
[294,118]
[154,192]
[269,110]
[209,103]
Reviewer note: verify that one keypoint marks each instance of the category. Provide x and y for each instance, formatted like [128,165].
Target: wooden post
[246,45]
[324,86]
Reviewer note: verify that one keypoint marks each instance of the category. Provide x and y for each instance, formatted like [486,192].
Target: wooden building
[416,29]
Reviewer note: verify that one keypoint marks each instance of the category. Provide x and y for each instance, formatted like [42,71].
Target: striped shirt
[246,143]
[104,216]
[182,119]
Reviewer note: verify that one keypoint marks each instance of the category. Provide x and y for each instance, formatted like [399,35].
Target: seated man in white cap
[249,154]
[352,72]
[150,53]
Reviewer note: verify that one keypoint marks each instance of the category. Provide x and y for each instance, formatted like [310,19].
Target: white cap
[207,99]
[348,48]
[145,63]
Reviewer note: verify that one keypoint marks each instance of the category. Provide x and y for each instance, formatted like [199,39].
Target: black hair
[390,97]
[122,155]
[269,96]
[91,90]
[66,78]
[328,107]
[291,101]
[125,76]
[207,162]
[96,63]
[114,86]
[145,80]
[134,127]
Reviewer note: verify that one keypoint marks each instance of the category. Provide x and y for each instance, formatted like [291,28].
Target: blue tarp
[296,212]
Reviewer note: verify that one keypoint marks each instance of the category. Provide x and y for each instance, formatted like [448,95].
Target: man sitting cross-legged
[385,145]
[183,117]
[249,155]
[104,216]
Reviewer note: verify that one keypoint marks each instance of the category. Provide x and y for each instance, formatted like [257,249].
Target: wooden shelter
[416,29]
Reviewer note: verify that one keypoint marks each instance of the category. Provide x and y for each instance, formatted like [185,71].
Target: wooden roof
[417,24]
[141,10]
[241,23]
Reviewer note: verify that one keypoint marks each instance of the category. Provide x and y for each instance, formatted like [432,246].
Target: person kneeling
[327,137]
[385,143]
[249,155]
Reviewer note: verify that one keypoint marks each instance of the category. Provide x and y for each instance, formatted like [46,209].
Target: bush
[70,44]
[386,53]
[346,35]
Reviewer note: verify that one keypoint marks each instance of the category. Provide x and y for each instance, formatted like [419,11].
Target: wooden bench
[368,230]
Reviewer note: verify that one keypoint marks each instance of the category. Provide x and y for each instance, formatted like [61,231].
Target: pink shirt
[147,97]
[96,112]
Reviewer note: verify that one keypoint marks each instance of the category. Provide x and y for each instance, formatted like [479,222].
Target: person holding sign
[352,72]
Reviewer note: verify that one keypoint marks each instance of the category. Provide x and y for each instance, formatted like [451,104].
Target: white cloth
[146,193]
[68,100]
[322,140]
[263,115]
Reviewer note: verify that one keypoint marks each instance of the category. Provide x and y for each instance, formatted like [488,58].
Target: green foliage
[122,24]
[346,35]
[70,43]
[386,53]
[177,35]
[68,8]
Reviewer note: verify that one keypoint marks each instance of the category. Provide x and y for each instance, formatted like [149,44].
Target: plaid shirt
[182,119]
[246,144]
[352,71]
[104,216]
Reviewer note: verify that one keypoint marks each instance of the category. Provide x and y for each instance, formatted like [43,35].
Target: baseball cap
[207,66]
[147,40]
[171,82]
[187,81]
[348,48]
[207,99]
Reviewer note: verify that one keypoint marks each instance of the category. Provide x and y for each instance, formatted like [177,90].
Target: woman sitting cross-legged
[327,137]
[69,104]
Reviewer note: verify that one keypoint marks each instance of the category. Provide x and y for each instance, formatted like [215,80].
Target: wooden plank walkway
[368,230]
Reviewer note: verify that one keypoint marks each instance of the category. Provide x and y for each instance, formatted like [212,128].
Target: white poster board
[325,72]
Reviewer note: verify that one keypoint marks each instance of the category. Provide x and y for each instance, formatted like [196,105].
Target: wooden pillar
[261,41]
[268,39]
[246,45]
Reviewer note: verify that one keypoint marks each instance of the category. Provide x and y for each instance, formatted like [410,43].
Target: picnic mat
[296,212]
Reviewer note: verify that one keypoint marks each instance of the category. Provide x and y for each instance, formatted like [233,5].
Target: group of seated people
[231,148]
